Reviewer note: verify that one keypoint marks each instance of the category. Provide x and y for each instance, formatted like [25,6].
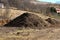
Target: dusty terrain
[18,33]
[13,33]
[47,28]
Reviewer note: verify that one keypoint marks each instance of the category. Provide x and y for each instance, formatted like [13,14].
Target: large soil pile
[28,20]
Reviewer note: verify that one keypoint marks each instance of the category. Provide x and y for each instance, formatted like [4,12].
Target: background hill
[29,5]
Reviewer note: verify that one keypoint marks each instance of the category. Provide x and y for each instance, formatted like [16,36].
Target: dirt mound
[52,21]
[27,20]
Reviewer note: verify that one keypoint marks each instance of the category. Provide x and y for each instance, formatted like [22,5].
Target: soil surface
[16,33]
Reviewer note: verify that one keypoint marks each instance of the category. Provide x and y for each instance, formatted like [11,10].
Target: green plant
[53,10]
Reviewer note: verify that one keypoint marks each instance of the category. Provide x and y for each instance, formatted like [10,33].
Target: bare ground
[15,33]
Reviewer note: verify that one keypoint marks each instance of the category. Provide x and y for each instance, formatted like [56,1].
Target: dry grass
[30,34]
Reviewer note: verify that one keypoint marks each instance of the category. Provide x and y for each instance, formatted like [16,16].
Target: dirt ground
[16,33]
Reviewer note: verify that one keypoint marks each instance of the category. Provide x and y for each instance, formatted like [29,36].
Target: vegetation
[28,6]
[53,10]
